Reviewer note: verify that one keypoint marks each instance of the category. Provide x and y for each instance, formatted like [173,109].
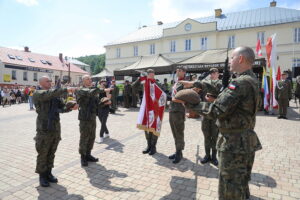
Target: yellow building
[180,40]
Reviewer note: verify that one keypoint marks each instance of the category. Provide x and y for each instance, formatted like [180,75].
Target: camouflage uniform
[235,110]
[135,92]
[48,130]
[176,119]
[209,127]
[114,96]
[127,95]
[283,94]
[87,100]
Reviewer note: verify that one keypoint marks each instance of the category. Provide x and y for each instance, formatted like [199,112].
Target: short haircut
[150,71]
[247,52]
[42,78]
[85,77]
[183,68]
[213,70]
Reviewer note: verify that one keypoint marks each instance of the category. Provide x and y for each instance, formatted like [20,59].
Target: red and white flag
[258,48]
[271,58]
[152,108]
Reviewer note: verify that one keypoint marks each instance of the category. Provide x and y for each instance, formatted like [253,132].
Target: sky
[83,27]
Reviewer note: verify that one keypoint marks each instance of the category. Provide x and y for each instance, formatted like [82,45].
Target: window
[261,37]
[231,41]
[173,46]
[35,76]
[44,61]
[11,56]
[25,76]
[31,60]
[204,43]
[118,53]
[13,75]
[188,45]
[296,62]
[48,62]
[152,49]
[297,35]
[135,51]
[19,57]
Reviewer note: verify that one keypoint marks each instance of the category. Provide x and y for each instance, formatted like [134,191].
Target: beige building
[180,40]
[23,67]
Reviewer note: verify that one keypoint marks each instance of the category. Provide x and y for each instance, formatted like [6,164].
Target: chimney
[159,23]
[218,12]
[273,4]
[26,49]
[60,57]
[144,26]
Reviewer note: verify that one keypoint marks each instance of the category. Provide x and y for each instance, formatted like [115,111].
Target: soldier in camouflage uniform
[235,110]
[283,94]
[127,94]
[114,96]
[48,106]
[211,89]
[87,99]
[135,93]
[177,117]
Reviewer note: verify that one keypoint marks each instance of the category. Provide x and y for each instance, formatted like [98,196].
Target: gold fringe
[145,128]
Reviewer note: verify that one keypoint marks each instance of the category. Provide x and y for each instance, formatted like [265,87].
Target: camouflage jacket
[127,90]
[42,100]
[235,110]
[88,100]
[283,90]
[115,91]
[176,107]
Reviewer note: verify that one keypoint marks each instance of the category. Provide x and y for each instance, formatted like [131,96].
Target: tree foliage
[97,62]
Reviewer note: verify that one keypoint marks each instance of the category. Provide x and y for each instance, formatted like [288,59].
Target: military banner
[152,108]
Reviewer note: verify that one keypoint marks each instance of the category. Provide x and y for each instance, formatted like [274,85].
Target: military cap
[197,84]
[188,96]
[213,70]
[284,73]
[102,80]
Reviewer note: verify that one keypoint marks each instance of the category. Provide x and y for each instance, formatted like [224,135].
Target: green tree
[97,62]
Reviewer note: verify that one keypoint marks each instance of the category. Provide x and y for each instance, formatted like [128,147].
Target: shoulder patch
[232,86]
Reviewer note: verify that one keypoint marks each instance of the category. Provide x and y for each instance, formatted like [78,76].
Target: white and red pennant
[152,108]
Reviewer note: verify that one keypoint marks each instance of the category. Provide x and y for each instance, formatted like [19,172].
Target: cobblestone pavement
[123,172]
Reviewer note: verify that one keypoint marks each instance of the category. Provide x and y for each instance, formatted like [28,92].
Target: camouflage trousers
[234,175]
[176,120]
[210,132]
[87,136]
[46,144]
[282,105]
[114,103]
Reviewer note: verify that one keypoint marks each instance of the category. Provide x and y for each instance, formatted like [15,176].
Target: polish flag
[258,49]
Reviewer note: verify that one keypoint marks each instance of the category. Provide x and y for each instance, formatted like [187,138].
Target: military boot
[171,157]
[43,180]
[214,159]
[148,138]
[84,161]
[207,157]
[178,157]
[153,145]
[51,178]
[91,158]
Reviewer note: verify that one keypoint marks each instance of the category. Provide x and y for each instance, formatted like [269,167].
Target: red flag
[278,76]
[152,108]
[258,48]
[269,50]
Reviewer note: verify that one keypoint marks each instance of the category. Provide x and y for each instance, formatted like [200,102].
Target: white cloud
[28,2]
[174,10]
[106,21]
[89,36]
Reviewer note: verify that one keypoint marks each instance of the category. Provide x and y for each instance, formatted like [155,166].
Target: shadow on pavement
[114,145]
[100,177]
[56,191]
[262,180]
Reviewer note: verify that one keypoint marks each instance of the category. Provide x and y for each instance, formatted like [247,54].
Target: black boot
[43,180]
[214,159]
[207,157]
[153,144]
[84,161]
[171,157]
[91,158]
[148,138]
[178,157]
[51,178]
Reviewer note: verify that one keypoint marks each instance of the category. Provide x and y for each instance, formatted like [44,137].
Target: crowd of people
[17,95]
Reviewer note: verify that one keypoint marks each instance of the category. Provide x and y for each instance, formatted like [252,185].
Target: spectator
[30,95]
